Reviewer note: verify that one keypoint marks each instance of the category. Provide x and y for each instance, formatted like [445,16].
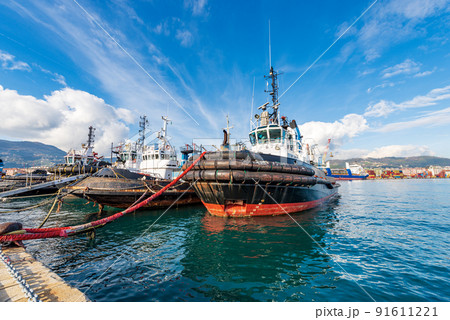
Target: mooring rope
[40,233]
[40,204]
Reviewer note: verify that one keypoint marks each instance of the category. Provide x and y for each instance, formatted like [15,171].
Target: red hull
[252,210]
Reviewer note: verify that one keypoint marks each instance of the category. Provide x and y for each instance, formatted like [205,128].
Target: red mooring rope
[67,231]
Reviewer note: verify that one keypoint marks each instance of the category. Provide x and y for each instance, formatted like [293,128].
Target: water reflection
[260,258]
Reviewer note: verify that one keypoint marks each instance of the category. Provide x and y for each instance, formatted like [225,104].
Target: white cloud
[406,67]
[383,108]
[396,21]
[94,52]
[425,73]
[55,76]
[385,151]
[383,85]
[198,7]
[9,62]
[349,153]
[185,37]
[431,119]
[400,151]
[416,9]
[62,118]
[339,131]
[380,109]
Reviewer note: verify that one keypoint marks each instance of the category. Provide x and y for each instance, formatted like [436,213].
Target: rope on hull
[40,233]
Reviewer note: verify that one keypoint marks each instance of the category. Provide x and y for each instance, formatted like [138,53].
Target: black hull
[122,193]
[247,184]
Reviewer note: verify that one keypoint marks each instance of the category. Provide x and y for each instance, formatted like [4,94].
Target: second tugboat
[276,177]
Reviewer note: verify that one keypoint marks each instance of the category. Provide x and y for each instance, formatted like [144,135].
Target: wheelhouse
[267,134]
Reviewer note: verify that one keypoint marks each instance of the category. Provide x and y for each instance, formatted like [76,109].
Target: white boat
[85,156]
[157,159]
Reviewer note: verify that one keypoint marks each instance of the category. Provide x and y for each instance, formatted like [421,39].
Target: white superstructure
[355,169]
[86,156]
[129,155]
[159,159]
[275,135]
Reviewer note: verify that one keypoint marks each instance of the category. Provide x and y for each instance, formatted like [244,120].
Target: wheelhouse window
[252,138]
[262,136]
[275,135]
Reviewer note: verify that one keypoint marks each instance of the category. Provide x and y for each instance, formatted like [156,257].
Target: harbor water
[383,240]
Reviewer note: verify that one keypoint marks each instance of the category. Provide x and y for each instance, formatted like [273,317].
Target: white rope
[315,61]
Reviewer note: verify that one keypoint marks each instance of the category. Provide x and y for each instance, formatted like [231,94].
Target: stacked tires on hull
[243,183]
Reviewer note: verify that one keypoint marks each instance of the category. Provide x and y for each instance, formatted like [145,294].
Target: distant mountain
[393,162]
[21,154]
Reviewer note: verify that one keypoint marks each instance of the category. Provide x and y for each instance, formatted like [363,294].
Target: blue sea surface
[383,240]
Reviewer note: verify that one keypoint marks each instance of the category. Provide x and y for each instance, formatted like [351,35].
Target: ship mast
[273,76]
[143,124]
[91,136]
[226,130]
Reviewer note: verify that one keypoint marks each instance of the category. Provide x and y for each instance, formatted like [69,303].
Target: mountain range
[22,154]
[393,162]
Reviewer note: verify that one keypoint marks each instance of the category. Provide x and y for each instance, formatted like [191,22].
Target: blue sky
[383,89]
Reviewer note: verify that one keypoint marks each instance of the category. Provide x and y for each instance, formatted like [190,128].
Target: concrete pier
[47,285]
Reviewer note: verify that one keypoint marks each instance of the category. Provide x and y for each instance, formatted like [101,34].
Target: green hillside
[21,154]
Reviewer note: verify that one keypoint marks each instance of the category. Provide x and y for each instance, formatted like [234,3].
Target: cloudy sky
[371,75]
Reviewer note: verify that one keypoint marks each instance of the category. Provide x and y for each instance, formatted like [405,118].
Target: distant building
[13,171]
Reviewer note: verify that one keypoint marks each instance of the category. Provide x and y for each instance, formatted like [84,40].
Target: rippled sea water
[386,240]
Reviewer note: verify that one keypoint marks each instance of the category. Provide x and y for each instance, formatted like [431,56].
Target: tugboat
[121,188]
[141,170]
[79,162]
[160,159]
[277,176]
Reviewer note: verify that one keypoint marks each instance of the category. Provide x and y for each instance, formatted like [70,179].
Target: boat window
[262,136]
[156,156]
[252,138]
[275,135]
[290,142]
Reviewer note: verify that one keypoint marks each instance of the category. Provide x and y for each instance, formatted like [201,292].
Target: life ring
[167,147]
